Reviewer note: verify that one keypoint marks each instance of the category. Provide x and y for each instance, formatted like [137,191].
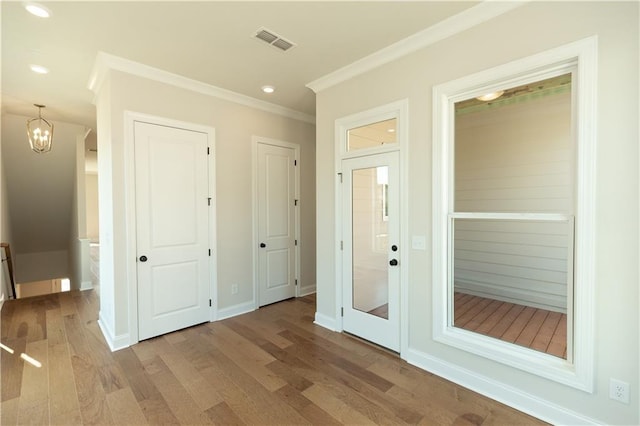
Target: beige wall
[234,127]
[529,29]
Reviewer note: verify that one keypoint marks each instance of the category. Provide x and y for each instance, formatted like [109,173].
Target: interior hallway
[271,366]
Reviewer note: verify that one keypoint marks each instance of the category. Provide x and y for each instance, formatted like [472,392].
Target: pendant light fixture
[40,132]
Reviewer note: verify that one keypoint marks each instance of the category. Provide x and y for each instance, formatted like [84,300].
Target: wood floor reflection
[538,329]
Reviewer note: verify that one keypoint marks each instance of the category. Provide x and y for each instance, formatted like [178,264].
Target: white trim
[514,397]
[328,322]
[105,62]
[306,290]
[235,310]
[86,285]
[541,217]
[255,140]
[446,28]
[213,224]
[577,371]
[114,342]
[130,118]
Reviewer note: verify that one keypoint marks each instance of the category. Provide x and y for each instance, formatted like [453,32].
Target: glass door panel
[370,240]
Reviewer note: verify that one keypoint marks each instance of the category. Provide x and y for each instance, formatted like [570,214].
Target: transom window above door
[372,135]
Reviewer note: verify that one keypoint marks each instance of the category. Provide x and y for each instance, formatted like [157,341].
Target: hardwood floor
[271,366]
[538,329]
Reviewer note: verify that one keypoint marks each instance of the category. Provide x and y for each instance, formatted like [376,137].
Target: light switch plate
[419,242]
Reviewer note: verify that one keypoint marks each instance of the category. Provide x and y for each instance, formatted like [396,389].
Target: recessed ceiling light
[268,89]
[391,130]
[39,69]
[38,10]
[490,96]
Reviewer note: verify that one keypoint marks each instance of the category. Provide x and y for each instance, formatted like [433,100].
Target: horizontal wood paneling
[515,159]
[527,266]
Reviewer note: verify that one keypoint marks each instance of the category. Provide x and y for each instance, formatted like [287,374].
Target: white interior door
[371,251]
[172,228]
[276,223]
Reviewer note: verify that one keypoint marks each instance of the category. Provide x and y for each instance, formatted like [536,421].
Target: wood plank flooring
[271,366]
[538,329]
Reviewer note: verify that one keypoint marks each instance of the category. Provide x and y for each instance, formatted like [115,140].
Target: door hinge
[295,162]
[341,312]
[209,201]
[209,302]
[295,202]
[296,282]
[296,241]
[340,175]
[341,245]
[208,152]
[209,252]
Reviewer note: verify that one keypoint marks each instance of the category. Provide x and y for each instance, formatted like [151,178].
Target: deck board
[538,329]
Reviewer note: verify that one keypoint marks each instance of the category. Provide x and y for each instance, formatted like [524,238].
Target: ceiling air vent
[273,39]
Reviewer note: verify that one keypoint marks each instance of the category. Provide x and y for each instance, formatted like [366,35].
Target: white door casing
[172,228]
[371,248]
[276,222]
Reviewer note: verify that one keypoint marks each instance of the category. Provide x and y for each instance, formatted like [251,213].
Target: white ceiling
[206,41]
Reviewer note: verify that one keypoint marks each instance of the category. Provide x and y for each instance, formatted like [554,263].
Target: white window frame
[580,56]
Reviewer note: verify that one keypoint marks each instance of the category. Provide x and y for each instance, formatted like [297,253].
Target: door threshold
[372,344]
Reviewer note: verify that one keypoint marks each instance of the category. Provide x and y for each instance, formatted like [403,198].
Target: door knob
[262,245]
[143,258]
[393,262]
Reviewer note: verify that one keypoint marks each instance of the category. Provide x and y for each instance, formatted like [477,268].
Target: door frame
[255,141]
[130,118]
[400,111]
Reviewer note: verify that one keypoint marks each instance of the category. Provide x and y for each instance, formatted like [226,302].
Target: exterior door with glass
[371,251]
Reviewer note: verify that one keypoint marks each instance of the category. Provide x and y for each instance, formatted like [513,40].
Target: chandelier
[40,132]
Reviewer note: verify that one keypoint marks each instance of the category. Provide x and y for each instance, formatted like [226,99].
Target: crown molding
[105,62]
[446,28]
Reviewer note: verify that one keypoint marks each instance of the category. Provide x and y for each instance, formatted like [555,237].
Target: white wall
[93,226]
[234,125]
[79,262]
[529,29]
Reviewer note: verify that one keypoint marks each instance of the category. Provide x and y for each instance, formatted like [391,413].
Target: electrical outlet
[619,390]
[234,288]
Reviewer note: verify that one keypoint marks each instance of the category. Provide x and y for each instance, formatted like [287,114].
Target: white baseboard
[115,342]
[513,397]
[86,285]
[326,322]
[235,310]
[306,290]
